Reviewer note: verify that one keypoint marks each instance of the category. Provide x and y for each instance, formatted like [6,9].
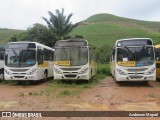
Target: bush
[104,69]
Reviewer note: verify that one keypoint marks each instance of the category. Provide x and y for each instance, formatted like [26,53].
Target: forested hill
[6,34]
[102,30]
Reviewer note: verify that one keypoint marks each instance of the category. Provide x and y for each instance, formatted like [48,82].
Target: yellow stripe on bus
[158,62]
[63,63]
[157,46]
[158,73]
[127,63]
[44,64]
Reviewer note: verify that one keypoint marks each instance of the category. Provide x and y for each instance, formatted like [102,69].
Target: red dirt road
[106,96]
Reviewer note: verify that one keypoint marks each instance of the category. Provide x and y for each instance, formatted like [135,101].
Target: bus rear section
[157,47]
[134,60]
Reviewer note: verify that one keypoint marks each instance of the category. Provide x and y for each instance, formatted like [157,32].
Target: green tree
[13,38]
[60,24]
[41,34]
[20,37]
[37,33]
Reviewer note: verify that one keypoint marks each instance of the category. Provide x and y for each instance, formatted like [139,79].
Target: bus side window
[53,55]
[113,55]
[40,56]
[50,55]
[1,54]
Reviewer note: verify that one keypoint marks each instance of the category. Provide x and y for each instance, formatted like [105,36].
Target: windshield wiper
[128,49]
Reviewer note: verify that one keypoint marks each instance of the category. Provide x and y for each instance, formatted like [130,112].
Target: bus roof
[140,41]
[44,46]
[134,39]
[75,42]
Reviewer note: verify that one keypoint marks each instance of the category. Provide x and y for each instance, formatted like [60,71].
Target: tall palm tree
[60,24]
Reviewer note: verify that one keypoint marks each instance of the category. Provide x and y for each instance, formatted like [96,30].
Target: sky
[21,14]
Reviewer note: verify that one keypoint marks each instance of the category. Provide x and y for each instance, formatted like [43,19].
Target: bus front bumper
[151,77]
[23,78]
[71,77]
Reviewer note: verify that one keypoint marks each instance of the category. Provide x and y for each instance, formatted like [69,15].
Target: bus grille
[71,76]
[136,77]
[70,69]
[18,76]
[137,70]
[19,70]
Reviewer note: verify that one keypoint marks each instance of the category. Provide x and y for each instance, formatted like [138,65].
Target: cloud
[20,14]
[140,9]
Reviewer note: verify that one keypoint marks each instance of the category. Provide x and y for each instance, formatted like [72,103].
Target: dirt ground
[105,96]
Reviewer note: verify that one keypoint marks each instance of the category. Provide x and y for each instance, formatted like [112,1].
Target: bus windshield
[142,55]
[75,55]
[20,57]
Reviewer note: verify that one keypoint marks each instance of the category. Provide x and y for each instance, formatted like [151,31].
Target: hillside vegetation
[6,34]
[102,30]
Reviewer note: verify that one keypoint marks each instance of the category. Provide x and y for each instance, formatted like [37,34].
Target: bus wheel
[1,77]
[145,82]
[2,74]
[118,82]
[45,75]
[91,74]
[158,79]
[31,82]
[94,77]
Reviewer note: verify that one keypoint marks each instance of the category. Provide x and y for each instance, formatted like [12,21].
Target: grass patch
[68,93]
[152,95]
[21,94]
[70,88]
[65,93]
[3,82]
[104,69]
[33,93]
[98,95]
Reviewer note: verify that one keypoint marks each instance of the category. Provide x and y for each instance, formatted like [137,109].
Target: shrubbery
[104,69]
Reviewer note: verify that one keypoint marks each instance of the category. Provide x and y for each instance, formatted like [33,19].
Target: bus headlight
[151,71]
[58,71]
[7,72]
[31,72]
[121,72]
[83,71]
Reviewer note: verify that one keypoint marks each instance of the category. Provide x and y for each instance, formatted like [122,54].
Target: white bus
[28,61]
[74,59]
[133,60]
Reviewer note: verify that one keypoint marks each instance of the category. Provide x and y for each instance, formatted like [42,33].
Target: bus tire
[118,82]
[91,74]
[158,79]
[45,75]
[2,74]
[145,82]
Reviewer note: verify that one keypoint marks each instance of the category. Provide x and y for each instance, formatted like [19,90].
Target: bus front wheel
[45,75]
